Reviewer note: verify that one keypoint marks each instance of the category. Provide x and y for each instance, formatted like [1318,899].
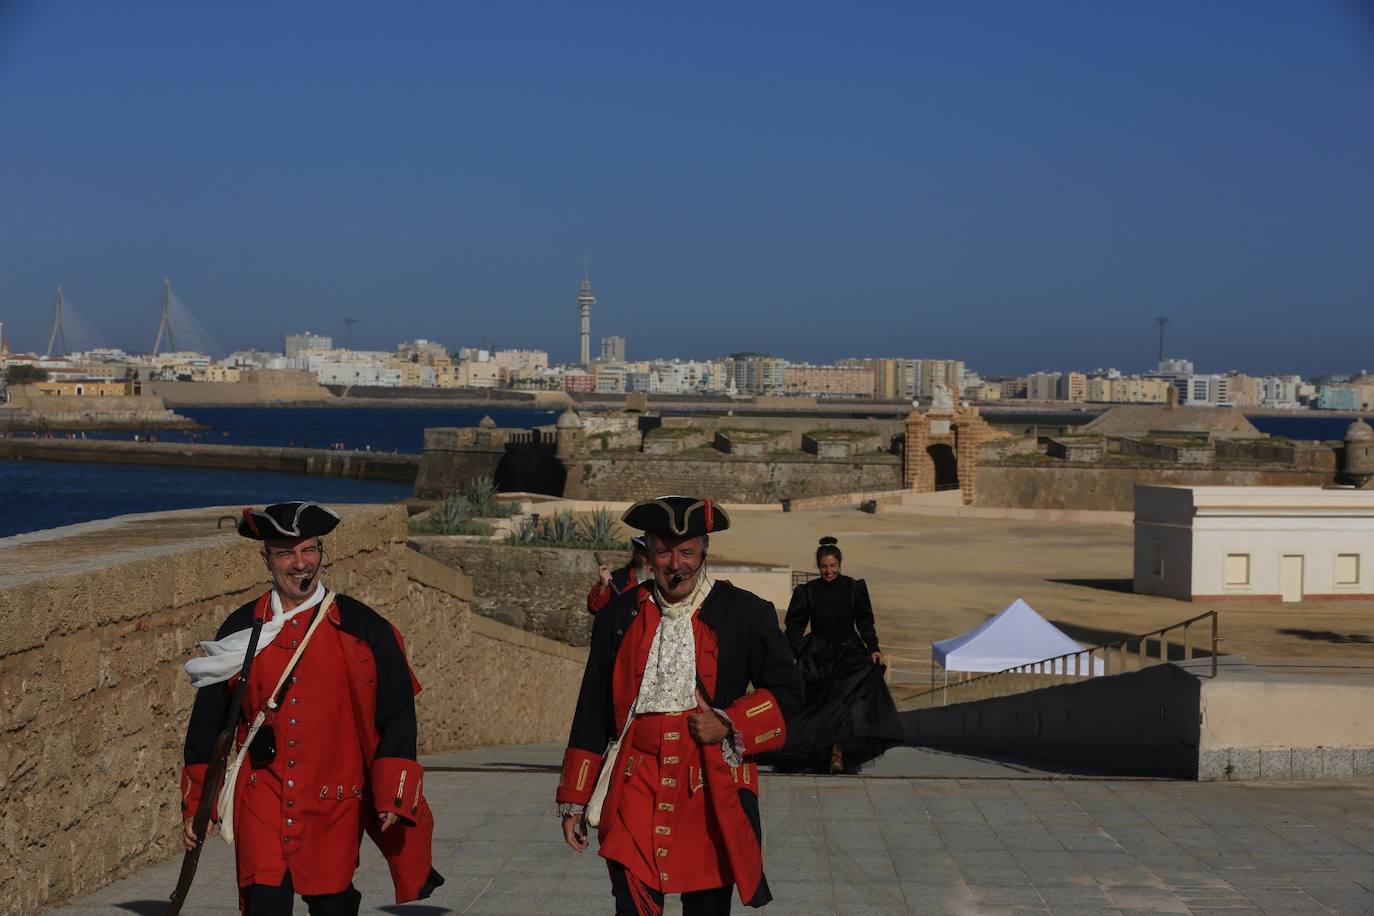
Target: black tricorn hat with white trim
[677,516]
[287,521]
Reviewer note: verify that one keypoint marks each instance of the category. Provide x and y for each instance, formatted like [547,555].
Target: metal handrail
[1119,650]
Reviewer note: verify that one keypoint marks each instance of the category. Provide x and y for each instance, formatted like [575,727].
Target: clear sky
[1022,185]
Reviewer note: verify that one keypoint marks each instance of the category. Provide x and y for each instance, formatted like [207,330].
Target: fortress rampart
[98,621]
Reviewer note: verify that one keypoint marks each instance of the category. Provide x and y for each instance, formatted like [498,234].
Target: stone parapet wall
[1064,486]
[99,621]
[731,479]
[541,590]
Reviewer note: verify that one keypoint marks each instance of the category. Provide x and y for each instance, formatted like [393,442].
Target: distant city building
[521,359]
[1072,386]
[832,381]
[1042,386]
[296,344]
[1014,388]
[947,372]
[756,373]
[1281,391]
[576,381]
[427,352]
[1176,367]
[613,349]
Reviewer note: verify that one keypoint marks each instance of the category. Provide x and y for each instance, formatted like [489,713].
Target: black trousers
[266,900]
[713,902]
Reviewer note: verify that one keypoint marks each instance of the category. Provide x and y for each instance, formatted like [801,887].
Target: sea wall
[367,465]
[612,476]
[28,409]
[99,620]
[1063,486]
[255,388]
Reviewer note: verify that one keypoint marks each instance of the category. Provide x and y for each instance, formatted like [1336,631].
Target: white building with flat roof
[1212,544]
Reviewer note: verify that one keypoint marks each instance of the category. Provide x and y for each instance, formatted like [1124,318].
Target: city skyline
[1016,187]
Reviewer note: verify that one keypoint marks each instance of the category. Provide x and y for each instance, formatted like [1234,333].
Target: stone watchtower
[1357,465]
[569,447]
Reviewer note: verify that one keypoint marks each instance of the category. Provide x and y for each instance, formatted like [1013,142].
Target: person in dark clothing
[849,717]
[609,584]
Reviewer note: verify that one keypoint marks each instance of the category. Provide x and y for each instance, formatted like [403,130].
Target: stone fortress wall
[98,621]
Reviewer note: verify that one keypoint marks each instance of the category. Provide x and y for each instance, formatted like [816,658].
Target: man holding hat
[609,584]
[669,668]
[326,741]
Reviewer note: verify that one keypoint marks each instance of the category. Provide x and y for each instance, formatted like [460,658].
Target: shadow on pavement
[1124,586]
[415,909]
[144,907]
[1331,636]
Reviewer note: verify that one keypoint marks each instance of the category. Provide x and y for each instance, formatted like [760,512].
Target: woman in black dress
[849,717]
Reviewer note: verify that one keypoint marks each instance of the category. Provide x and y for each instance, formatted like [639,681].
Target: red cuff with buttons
[580,769]
[396,785]
[758,721]
[192,784]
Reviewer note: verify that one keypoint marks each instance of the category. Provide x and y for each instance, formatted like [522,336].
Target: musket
[596,555]
[214,773]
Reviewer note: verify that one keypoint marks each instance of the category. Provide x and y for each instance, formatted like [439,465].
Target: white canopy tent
[1016,636]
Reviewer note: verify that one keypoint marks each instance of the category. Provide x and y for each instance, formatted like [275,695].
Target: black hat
[677,516]
[287,520]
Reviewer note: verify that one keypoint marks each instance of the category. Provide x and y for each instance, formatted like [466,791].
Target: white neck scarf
[224,657]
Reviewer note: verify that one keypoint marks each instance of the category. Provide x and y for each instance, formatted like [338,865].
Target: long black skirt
[847,703]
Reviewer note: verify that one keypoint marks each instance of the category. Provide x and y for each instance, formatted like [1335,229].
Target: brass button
[295,643]
[666,806]
[295,700]
[293,721]
[670,760]
[290,803]
[289,822]
[291,783]
[660,853]
[669,781]
[291,743]
[663,876]
[290,763]
[671,736]
[663,831]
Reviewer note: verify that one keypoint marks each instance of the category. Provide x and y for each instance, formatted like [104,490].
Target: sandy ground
[932,578]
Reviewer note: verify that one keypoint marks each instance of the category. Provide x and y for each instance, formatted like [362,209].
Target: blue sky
[1023,185]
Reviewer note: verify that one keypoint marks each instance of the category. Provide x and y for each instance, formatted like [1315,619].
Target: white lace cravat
[670,673]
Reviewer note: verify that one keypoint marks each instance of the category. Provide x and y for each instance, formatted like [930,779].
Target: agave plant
[482,493]
[599,530]
[524,533]
[561,530]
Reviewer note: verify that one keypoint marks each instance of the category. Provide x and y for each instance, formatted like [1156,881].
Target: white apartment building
[1210,544]
[1280,391]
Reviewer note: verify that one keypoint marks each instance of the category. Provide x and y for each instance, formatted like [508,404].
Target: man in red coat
[335,753]
[609,584]
[674,658]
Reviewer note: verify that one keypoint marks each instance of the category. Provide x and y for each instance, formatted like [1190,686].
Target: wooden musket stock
[214,773]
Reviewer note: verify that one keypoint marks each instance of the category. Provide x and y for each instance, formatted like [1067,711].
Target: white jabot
[670,673]
[224,657]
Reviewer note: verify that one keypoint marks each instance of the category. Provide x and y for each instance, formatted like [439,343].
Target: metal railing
[1176,642]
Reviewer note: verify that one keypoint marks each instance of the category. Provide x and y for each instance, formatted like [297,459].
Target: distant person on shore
[849,717]
[326,738]
[609,584]
[669,671]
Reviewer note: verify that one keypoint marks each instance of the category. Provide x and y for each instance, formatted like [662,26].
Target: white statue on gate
[941,397]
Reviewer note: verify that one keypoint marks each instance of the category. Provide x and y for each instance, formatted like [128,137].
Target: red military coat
[345,739]
[653,823]
[622,580]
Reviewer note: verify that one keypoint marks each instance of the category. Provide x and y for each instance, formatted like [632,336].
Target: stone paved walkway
[920,833]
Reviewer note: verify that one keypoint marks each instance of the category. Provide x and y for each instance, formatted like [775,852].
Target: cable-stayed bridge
[177,329]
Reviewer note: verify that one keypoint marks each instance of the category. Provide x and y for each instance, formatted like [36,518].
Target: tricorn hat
[677,516]
[287,520]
